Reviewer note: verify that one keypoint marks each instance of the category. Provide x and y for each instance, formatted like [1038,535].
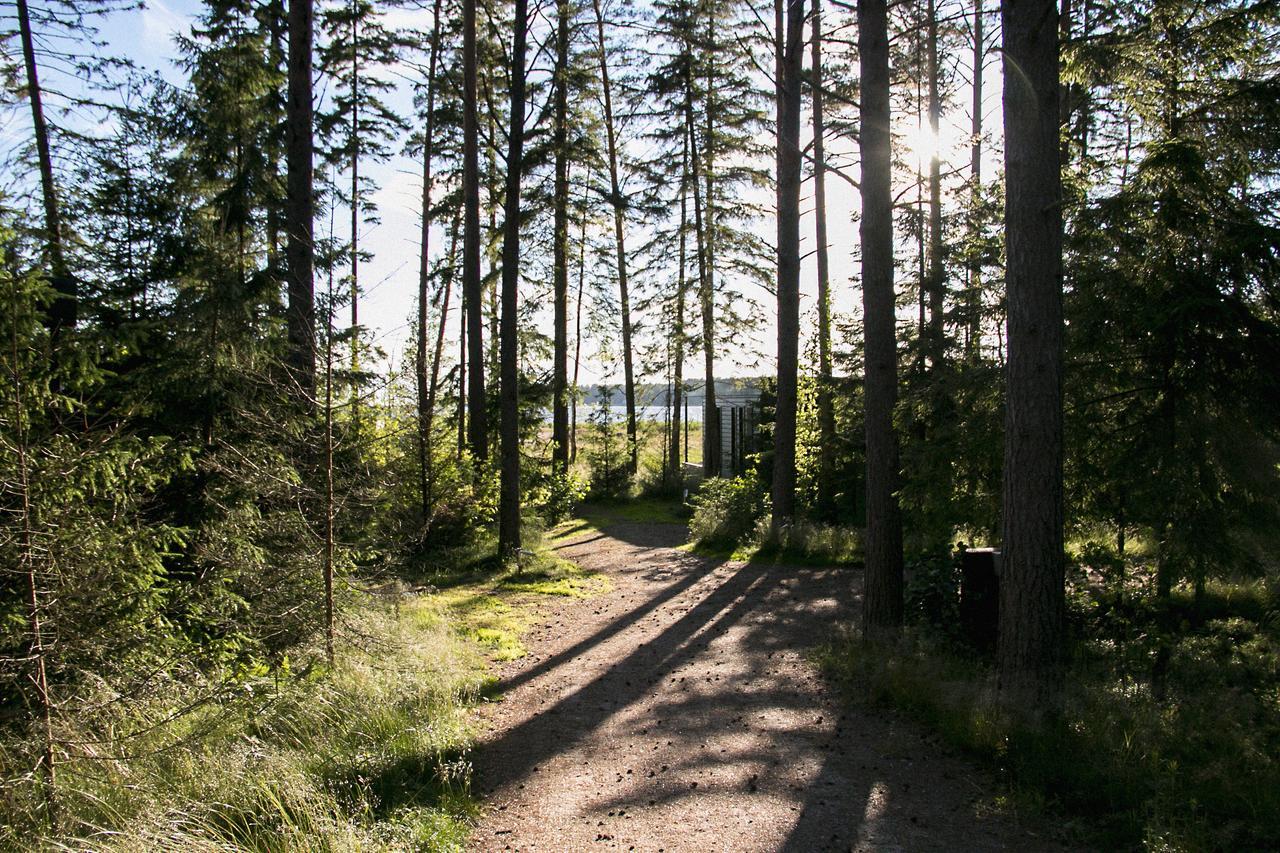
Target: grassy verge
[1193,767]
[371,754]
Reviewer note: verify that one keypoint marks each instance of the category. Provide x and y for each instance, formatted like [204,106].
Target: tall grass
[1197,768]
[368,756]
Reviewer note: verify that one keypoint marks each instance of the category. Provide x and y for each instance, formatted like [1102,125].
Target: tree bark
[577,332]
[678,332]
[706,299]
[791,44]
[509,497]
[973,334]
[560,246]
[477,415]
[1031,582]
[355,219]
[619,235]
[826,405]
[936,274]
[299,225]
[62,314]
[882,599]
[426,406]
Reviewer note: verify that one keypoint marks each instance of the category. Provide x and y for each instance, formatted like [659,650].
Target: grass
[370,755]
[1197,768]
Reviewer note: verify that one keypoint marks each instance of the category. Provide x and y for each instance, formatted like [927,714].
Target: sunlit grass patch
[368,755]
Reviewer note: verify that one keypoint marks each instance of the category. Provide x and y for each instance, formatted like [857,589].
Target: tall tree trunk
[826,405]
[62,314]
[434,382]
[706,300]
[619,236]
[36,649]
[300,249]
[477,415]
[1031,580]
[355,218]
[791,42]
[882,598]
[426,407]
[509,497]
[560,246]
[707,247]
[577,332]
[328,466]
[464,314]
[973,334]
[678,332]
[936,275]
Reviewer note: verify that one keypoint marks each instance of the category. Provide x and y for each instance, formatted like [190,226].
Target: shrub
[726,512]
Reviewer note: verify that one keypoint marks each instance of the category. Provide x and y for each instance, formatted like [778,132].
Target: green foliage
[608,454]
[1195,769]
[726,512]
[370,755]
[556,495]
[933,592]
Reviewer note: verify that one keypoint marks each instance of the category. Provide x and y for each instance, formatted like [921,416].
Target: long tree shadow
[705,707]
[572,718]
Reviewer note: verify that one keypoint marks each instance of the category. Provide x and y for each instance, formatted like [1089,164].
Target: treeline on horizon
[200,462]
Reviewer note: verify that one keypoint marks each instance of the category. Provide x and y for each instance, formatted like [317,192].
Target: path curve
[678,712]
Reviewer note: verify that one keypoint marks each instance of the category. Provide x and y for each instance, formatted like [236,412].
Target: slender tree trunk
[678,332]
[355,219]
[708,247]
[425,406]
[491,153]
[937,275]
[560,245]
[577,332]
[619,236]
[706,300]
[328,469]
[1031,581]
[826,405]
[882,599]
[36,648]
[434,382]
[62,314]
[299,225]
[973,334]
[477,416]
[464,314]
[509,497]
[791,42]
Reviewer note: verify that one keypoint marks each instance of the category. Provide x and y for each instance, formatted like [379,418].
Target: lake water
[644,413]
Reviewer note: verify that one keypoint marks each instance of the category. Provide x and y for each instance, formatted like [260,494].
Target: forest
[860,419]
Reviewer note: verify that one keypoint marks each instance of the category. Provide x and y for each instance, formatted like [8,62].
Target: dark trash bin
[980,597]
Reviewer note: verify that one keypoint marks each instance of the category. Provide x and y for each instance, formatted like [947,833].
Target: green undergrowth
[489,602]
[593,519]
[803,543]
[731,520]
[1193,767]
[368,755]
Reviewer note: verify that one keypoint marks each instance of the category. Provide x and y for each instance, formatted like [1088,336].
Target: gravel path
[678,712]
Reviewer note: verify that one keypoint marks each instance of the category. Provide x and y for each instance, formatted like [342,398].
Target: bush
[555,495]
[933,592]
[726,512]
[816,542]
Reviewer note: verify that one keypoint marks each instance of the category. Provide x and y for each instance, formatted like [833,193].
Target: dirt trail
[678,712]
